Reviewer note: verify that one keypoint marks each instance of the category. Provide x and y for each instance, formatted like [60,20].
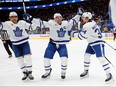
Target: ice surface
[10,74]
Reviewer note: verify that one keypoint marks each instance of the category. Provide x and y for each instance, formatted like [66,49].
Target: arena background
[10,74]
[47,8]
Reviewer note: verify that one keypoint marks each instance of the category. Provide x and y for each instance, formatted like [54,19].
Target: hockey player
[20,45]
[112,28]
[58,38]
[112,11]
[112,14]
[92,33]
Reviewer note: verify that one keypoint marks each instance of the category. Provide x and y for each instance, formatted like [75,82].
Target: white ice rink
[10,74]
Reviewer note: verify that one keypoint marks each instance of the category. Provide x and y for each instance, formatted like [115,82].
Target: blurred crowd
[99,9]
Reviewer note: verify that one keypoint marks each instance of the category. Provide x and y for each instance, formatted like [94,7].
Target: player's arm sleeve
[72,22]
[83,33]
[4,26]
[39,23]
[27,26]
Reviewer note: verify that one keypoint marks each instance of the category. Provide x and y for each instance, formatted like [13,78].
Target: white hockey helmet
[87,14]
[57,14]
[13,14]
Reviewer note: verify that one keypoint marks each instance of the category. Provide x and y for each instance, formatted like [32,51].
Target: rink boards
[107,36]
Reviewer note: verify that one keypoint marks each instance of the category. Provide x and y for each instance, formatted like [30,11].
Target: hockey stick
[109,61]
[110,46]
[24,8]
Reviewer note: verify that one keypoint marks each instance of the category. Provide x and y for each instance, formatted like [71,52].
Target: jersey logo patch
[61,32]
[18,32]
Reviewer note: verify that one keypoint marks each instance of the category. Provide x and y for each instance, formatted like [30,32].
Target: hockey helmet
[87,14]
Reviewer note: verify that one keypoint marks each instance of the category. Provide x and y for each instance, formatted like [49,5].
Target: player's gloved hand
[27,17]
[72,33]
[80,11]
[1,25]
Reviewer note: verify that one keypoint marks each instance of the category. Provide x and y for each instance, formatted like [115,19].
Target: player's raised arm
[84,31]
[75,19]
[34,21]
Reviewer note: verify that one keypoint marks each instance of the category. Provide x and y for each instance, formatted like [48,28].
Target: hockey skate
[85,74]
[25,75]
[46,75]
[109,78]
[30,75]
[63,75]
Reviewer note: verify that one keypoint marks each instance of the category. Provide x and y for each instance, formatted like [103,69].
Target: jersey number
[99,33]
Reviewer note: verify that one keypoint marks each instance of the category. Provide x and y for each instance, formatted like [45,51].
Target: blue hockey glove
[71,33]
[80,11]
[27,17]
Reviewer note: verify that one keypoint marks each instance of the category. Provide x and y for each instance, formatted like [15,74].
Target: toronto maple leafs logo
[61,32]
[18,32]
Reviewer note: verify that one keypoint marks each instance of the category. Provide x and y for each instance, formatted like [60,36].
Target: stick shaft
[110,46]
[109,62]
[24,8]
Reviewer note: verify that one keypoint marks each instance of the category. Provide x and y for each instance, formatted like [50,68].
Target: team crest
[18,32]
[61,32]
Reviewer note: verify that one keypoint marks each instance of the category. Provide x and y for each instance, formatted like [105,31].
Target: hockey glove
[80,11]
[71,33]
[27,17]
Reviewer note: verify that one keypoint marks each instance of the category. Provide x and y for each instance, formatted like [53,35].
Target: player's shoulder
[7,22]
[89,24]
[64,22]
[51,21]
[22,21]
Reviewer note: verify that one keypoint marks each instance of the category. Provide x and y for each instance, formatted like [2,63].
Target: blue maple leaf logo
[18,32]
[61,32]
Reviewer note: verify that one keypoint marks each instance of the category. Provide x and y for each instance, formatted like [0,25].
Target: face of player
[59,19]
[84,20]
[14,19]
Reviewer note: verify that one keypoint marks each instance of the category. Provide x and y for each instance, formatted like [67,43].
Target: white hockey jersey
[91,32]
[113,11]
[58,33]
[17,32]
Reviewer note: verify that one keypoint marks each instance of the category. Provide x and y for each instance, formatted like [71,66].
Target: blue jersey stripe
[28,66]
[64,68]
[107,68]
[60,41]
[64,65]
[20,40]
[82,35]
[87,62]
[23,67]
[47,66]
[105,65]
[74,21]
[43,24]
[97,42]
[79,37]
